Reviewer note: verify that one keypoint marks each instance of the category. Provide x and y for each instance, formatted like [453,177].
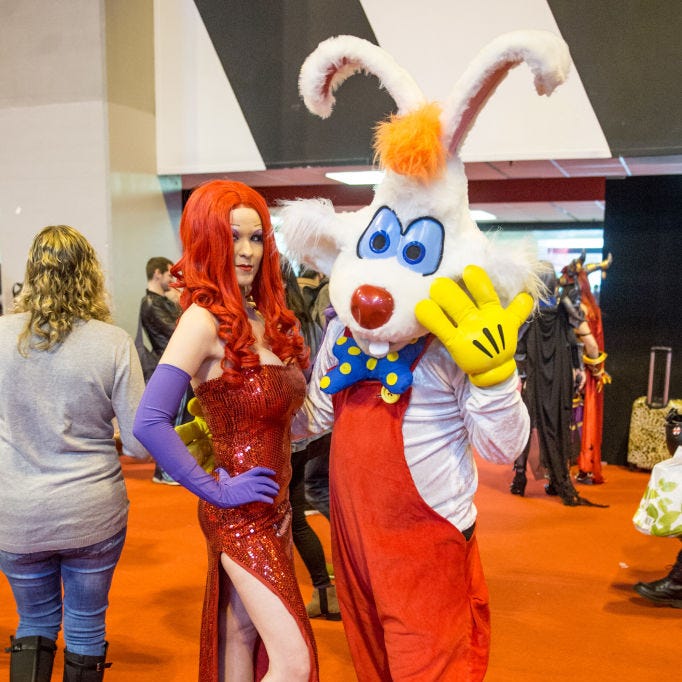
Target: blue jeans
[36,580]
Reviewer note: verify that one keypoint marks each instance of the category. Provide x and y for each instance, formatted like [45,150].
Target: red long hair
[593,310]
[206,274]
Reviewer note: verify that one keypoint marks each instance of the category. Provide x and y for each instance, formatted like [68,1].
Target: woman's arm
[189,353]
[125,397]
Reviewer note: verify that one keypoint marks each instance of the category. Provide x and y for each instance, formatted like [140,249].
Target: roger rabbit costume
[405,416]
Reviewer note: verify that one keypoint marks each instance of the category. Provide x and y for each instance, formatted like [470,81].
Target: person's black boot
[550,489]
[324,603]
[80,668]
[667,590]
[664,591]
[518,485]
[31,659]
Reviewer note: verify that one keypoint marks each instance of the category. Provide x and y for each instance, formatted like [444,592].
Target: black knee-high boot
[80,668]
[31,659]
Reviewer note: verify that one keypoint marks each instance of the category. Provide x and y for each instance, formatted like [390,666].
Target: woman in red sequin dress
[242,349]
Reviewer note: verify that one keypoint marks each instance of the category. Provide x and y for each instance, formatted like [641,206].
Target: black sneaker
[584,477]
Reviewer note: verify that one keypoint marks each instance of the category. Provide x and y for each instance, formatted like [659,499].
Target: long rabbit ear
[545,53]
[336,59]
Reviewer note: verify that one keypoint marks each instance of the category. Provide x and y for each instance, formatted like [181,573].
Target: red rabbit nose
[371,306]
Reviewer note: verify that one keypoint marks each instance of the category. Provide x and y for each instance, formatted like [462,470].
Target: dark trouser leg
[306,541]
[522,460]
[518,485]
[324,601]
[676,573]
[317,475]
[31,659]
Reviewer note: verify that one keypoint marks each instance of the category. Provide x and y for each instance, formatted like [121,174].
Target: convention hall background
[112,111]
[109,110]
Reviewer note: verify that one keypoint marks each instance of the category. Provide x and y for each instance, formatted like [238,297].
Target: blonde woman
[65,372]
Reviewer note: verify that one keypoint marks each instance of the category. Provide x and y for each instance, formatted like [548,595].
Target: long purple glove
[154,429]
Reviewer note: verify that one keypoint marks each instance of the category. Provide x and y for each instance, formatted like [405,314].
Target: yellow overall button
[389,397]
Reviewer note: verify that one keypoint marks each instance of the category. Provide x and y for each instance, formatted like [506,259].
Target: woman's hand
[254,485]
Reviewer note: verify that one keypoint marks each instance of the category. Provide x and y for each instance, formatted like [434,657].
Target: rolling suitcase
[647,437]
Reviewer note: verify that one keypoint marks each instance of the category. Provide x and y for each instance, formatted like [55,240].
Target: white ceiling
[512,212]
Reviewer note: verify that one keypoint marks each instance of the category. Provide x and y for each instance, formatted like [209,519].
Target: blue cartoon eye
[413,253]
[379,241]
[382,236]
[421,247]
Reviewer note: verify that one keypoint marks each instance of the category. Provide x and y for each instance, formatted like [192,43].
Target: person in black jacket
[159,313]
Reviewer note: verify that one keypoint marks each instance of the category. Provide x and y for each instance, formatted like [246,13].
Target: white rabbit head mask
[382,259]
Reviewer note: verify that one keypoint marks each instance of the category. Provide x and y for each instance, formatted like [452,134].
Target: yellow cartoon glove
[480,335]
[197,437]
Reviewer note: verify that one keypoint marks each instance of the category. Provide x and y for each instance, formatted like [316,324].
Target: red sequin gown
[250,427]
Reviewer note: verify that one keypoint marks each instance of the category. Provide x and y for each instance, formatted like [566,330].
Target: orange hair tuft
[412,144]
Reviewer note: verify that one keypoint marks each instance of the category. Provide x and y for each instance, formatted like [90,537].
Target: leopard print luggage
[647,439]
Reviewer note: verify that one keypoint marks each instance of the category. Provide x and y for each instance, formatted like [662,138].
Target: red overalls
[411,588]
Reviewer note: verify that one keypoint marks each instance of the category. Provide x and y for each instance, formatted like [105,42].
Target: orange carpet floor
[560,582]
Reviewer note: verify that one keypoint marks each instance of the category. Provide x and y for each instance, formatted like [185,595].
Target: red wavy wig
[207,276]
[593,310]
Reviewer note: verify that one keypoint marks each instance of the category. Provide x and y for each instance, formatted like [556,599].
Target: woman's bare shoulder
[199,318]
[194,342]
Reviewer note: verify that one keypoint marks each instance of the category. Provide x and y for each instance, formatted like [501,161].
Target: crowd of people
[230,324]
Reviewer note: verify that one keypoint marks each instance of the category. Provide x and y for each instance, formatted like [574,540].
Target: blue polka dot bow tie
[393,371]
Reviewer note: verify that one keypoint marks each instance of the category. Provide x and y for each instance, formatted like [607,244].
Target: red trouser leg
[411,589]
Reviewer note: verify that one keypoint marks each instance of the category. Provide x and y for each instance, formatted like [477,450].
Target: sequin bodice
[250,427]
[250,424]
